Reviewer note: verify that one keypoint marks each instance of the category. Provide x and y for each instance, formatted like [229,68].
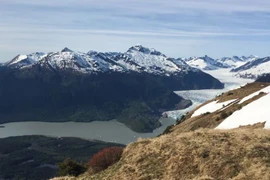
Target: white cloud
[177,28]
[157,6]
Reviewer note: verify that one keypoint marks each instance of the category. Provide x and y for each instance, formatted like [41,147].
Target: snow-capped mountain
[24,60]
[236,61]
[205,63]
[139,58]
[76,86]
[136,59]
[254,68]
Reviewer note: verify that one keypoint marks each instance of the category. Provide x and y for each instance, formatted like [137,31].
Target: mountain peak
[208,58]
[66,50]
[19,61]
[145,50]
[92,53]
[139,47]
[252,56]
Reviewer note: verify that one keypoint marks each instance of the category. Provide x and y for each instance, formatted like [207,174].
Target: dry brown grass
[236,93]
[212,120]
[238,154]
[194,151]
[242,92]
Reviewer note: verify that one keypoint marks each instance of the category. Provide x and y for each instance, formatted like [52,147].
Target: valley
[134,90]
[134,87]
[112,131]
[223,138]
[36,157]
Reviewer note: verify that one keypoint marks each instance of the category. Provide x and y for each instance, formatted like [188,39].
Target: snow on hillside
[149,60]
[18,59]
[253,69]
[205,63]
[255,112]
[212,107]
[61,59]
[232,62]
[201,64]
[236,61]
[24,60]
[36,56]
[264,90]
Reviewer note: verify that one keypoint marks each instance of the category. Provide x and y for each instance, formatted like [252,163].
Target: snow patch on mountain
[150,60]
[66,59]
[212,107]
[208,63]
[253,69]
[18,59]
[205,63]
[254,112]
[24,60]
[236,61]
[264,90]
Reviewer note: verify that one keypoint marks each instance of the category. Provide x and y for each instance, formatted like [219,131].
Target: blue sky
[177,28]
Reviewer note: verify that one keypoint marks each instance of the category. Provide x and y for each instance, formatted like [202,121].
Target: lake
[110,131]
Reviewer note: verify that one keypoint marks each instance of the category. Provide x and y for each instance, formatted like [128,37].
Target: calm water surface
[110,131]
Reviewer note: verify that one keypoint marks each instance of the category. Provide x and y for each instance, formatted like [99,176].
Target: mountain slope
[236,61]
[136,59]
[254,68]
[205,63]
[193,149]
[264,78]
[24,60]
[212,113]
[134,87]
[200,155]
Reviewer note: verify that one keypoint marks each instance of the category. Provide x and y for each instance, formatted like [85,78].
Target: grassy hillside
[212,120]
[202,154]
[193,150]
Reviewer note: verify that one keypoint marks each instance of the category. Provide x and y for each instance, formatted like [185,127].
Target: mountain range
[134,87]
[205,63]
[133,60]
[254,68]
[136,59]
[236,61]
[208,63]
[250,67]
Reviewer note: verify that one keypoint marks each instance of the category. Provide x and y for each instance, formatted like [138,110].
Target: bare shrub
[105,158]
